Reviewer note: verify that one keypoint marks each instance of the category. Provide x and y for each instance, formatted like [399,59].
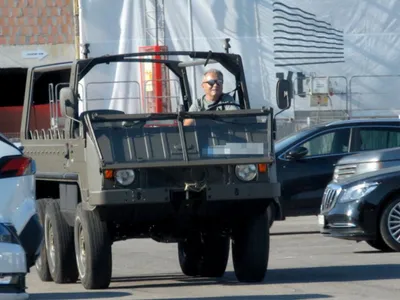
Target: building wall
[36,25]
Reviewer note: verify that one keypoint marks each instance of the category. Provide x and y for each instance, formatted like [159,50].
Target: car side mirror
[297,153]
[283,93]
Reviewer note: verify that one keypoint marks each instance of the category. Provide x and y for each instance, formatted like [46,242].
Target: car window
[379,138]
[333,142]
[292,138]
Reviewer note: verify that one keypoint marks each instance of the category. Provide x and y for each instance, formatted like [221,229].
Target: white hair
[214,71]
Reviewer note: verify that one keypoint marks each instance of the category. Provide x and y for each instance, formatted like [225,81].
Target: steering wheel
[223,104]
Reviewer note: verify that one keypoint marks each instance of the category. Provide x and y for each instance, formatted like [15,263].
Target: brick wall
[36,22]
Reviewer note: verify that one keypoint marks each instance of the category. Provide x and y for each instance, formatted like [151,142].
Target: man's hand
[188,122]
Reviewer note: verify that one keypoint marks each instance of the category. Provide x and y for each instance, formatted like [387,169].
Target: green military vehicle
[104,175]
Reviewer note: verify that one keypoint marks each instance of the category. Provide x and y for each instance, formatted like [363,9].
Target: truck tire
[271,210]
[41,264]
[206,257]
[388,224]
[59,245]
[188,256]
[93,249]
[215,254]
[250,248]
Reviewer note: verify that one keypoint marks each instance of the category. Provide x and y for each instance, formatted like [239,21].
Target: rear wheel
[390,224]
[41,264]
[93,249]
[59,245]
[204,255]
[250,248]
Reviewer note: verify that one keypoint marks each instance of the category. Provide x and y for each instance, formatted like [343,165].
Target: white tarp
[338,38]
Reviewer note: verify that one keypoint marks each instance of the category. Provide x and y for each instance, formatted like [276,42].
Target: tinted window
[378,138]
[293,138]
[333,142]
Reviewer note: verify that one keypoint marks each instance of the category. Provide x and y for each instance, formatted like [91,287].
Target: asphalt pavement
[302,265]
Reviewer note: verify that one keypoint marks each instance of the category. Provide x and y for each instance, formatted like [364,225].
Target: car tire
[205,256]
[379,244]
[389,214]
[250,248]
[59,245]
[93,249]
[41,264]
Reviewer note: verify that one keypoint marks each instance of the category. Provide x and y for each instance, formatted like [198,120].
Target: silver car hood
[371,156]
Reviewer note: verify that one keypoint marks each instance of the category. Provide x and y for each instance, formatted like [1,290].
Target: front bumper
[348,221]
[245,191]
[13,268]
[12,259]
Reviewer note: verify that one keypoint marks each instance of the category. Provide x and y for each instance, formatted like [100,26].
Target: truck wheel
[93,249]
[207,256]
[390,224]
[250,248]
[59,245]
[271,214]
[189,257]
[41,265]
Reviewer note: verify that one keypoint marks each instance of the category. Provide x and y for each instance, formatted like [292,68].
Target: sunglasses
[214,81]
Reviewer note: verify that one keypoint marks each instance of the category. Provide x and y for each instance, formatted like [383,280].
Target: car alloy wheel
[393,222]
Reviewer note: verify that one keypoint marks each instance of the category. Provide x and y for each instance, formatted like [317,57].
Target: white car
[21,234]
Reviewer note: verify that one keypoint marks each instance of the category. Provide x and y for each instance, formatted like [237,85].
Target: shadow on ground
[76,296]
[259,297]
[274,276]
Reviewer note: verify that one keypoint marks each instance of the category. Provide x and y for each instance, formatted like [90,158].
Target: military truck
[104,175]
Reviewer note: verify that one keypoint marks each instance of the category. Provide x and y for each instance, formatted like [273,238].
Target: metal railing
[362,97]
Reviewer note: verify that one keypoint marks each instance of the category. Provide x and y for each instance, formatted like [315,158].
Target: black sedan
[306,159]
[364,207]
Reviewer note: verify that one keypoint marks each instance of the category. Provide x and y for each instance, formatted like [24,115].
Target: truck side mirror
[283,93]
[67,102]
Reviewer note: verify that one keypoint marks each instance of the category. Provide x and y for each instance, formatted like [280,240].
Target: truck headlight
[357,192]
[246,172]
[125,177]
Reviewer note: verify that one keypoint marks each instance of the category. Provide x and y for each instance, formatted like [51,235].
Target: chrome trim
[344,171]
[342,225]
[331,193]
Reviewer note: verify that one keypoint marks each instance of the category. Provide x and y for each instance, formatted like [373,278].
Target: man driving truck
[212,85]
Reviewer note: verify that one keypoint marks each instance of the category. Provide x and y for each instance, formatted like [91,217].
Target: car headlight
[125,177]
[246,172]
[6,235]
[368,167]
[357,192]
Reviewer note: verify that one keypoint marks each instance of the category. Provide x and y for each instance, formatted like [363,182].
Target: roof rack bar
[196,63]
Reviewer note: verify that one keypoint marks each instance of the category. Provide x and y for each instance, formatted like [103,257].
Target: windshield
[213,137]
[143,87]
